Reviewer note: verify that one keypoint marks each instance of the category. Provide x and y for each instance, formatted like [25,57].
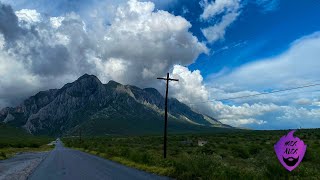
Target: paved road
[68,164]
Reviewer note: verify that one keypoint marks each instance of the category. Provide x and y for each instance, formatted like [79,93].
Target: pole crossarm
[169,79]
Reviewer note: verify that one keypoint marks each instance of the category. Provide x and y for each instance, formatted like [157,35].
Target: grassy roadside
[16,140]
[240,155]
[164,171]
[6,153]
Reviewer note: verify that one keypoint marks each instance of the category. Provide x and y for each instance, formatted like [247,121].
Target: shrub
[240,151]
[3,155]
[254,149]
[34,145]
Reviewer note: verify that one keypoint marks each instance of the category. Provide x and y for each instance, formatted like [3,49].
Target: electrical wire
[258,94]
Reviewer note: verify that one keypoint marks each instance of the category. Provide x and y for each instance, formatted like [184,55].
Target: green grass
[235,155]
[15,140]
[8,152]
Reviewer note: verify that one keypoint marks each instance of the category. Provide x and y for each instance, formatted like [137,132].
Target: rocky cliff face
[99,109]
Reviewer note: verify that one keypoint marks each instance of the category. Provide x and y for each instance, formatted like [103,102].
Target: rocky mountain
[98,108]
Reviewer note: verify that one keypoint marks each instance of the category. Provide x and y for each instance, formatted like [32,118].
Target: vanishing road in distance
[68,164]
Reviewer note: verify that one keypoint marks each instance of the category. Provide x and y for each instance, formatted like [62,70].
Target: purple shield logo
[290,151]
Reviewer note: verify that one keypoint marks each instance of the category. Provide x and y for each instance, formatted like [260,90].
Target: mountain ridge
[89,102]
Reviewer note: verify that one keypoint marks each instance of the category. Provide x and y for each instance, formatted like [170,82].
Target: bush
[3,155]
[196,166]
[254,149]
[207,149]
[240,151]
[140,157]
[34,145]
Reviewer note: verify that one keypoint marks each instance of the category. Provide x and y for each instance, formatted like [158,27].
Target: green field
[14,140]
[234,155]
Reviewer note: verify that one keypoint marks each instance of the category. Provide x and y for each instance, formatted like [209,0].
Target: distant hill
[99,109]
[7,132]
[12,139]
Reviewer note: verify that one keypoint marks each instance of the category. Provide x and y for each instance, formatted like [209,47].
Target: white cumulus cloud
[28,15]
[297,66]
[230,10]
[219,6]
[137,45]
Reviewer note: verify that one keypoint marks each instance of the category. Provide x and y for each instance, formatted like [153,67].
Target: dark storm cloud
[9,23]
[50,60]
[137,45]
[46,59]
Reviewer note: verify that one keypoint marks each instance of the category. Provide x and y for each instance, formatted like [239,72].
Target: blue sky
[259,32]
[218,49]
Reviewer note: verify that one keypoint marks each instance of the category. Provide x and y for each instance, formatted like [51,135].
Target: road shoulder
[21,165]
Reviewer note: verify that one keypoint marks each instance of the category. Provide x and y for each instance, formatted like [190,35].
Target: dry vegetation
[236,155]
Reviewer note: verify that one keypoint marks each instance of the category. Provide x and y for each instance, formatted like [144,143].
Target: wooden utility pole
[166,115]
[80,136]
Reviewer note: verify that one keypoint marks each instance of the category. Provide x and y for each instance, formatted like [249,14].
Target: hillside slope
[98,108]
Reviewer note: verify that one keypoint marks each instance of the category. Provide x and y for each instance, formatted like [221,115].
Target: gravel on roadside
[20,166]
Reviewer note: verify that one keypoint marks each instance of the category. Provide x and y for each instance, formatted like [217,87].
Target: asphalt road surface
[68,164]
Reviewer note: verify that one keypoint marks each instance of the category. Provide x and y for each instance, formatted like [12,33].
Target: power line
[258,94]
[217,87]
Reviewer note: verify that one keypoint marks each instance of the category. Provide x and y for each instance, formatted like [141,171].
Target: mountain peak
[87,76]
[88,80]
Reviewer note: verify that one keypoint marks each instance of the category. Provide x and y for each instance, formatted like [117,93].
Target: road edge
[34,169]
[121,163]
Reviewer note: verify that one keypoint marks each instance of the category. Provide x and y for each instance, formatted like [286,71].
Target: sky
[218,50]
